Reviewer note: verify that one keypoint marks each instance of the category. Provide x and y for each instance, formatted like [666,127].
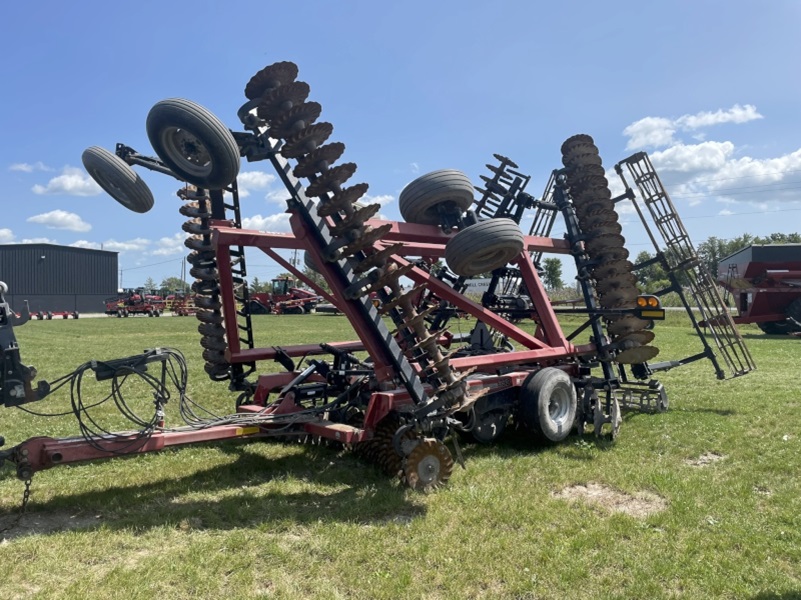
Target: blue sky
[708,89]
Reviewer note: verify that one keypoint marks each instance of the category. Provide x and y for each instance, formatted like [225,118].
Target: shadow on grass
[791,595]
[516,442]
[253,491]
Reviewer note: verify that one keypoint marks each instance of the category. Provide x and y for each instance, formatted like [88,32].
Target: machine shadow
[312,489]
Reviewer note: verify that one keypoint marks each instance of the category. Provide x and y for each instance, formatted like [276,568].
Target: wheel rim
[559,406]
[185,146]
[428,470]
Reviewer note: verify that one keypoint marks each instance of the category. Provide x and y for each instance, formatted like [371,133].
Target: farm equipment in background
[765,281]
[138,302]
[403,402]
[284,298]
[49,315]
[181,305]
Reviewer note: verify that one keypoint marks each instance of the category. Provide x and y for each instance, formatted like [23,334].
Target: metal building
[58,278]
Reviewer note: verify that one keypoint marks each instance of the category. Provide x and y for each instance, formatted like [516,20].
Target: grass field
[703,501]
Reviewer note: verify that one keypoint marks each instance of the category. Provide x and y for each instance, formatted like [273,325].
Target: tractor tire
[49,316]
[117,179]
[548,404]
[419,200]
[482,247]
[776,327]
[193,143]
[793,312]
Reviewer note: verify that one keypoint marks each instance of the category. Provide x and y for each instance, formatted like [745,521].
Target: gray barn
[58,278]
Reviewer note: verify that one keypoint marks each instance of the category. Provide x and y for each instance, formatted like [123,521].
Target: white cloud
[86,244]
[706,156]
[134,245]
[71,182]
[657,132]
[414,168]
[6,236]
[61,219]
[29,168]
[383,199]
[725,212]
[168,246]
[718,171]
[253,180]
[39,240]
[650,132]
[279,197]
[736,114]
[278,223]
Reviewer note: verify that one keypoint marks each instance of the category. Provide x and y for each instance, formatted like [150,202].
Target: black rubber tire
[548,404]
[776,327]
[418,200]
[793,311]
[193,143]
[117,179]
[484,246]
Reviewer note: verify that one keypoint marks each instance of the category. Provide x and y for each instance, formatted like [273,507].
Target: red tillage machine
[419,386]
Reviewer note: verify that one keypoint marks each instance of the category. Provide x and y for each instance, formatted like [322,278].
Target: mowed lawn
[703,501]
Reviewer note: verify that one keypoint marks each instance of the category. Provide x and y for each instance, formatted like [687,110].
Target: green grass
[249,520]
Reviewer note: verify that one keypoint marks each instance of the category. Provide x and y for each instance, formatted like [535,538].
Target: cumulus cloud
[168,246]
[29,168]
[6,236]
[134,245]
[697,170]
[61,219]
[657,132]
[279,197]
[383,199]
[86,244]
[278,223]
[253,180]
[39,240]
[71,182]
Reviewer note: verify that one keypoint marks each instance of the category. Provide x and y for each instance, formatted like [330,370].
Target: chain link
[26,496]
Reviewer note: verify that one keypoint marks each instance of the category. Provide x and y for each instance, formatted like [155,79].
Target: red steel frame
[547,346]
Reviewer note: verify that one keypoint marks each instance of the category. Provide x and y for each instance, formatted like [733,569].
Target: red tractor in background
[765,281]
[284,298]
[134,302]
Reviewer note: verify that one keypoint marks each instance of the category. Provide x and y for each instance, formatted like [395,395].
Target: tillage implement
[408,389]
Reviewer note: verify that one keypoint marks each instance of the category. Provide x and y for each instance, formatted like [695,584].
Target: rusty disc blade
[319,159]
[307,140]
[331,180]
[624,325]
[280,99]
[610,240]
[281,73]
[599,227]
[611,269]
[296,118]
[624,281]
[640,338]
[634,356]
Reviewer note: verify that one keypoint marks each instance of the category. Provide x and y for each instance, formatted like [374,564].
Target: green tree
[149,284]
[174,284]
[552,273]
[651,278]
[257,286]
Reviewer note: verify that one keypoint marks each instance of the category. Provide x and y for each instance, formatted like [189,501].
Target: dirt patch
[33,523]
[638,505]
[705,459]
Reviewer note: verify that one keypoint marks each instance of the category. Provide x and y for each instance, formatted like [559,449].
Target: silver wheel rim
[184,145]
[559,406]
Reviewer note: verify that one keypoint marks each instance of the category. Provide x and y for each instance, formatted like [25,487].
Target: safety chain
[26,496]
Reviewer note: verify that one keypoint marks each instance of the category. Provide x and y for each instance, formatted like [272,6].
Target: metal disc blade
[637,355]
